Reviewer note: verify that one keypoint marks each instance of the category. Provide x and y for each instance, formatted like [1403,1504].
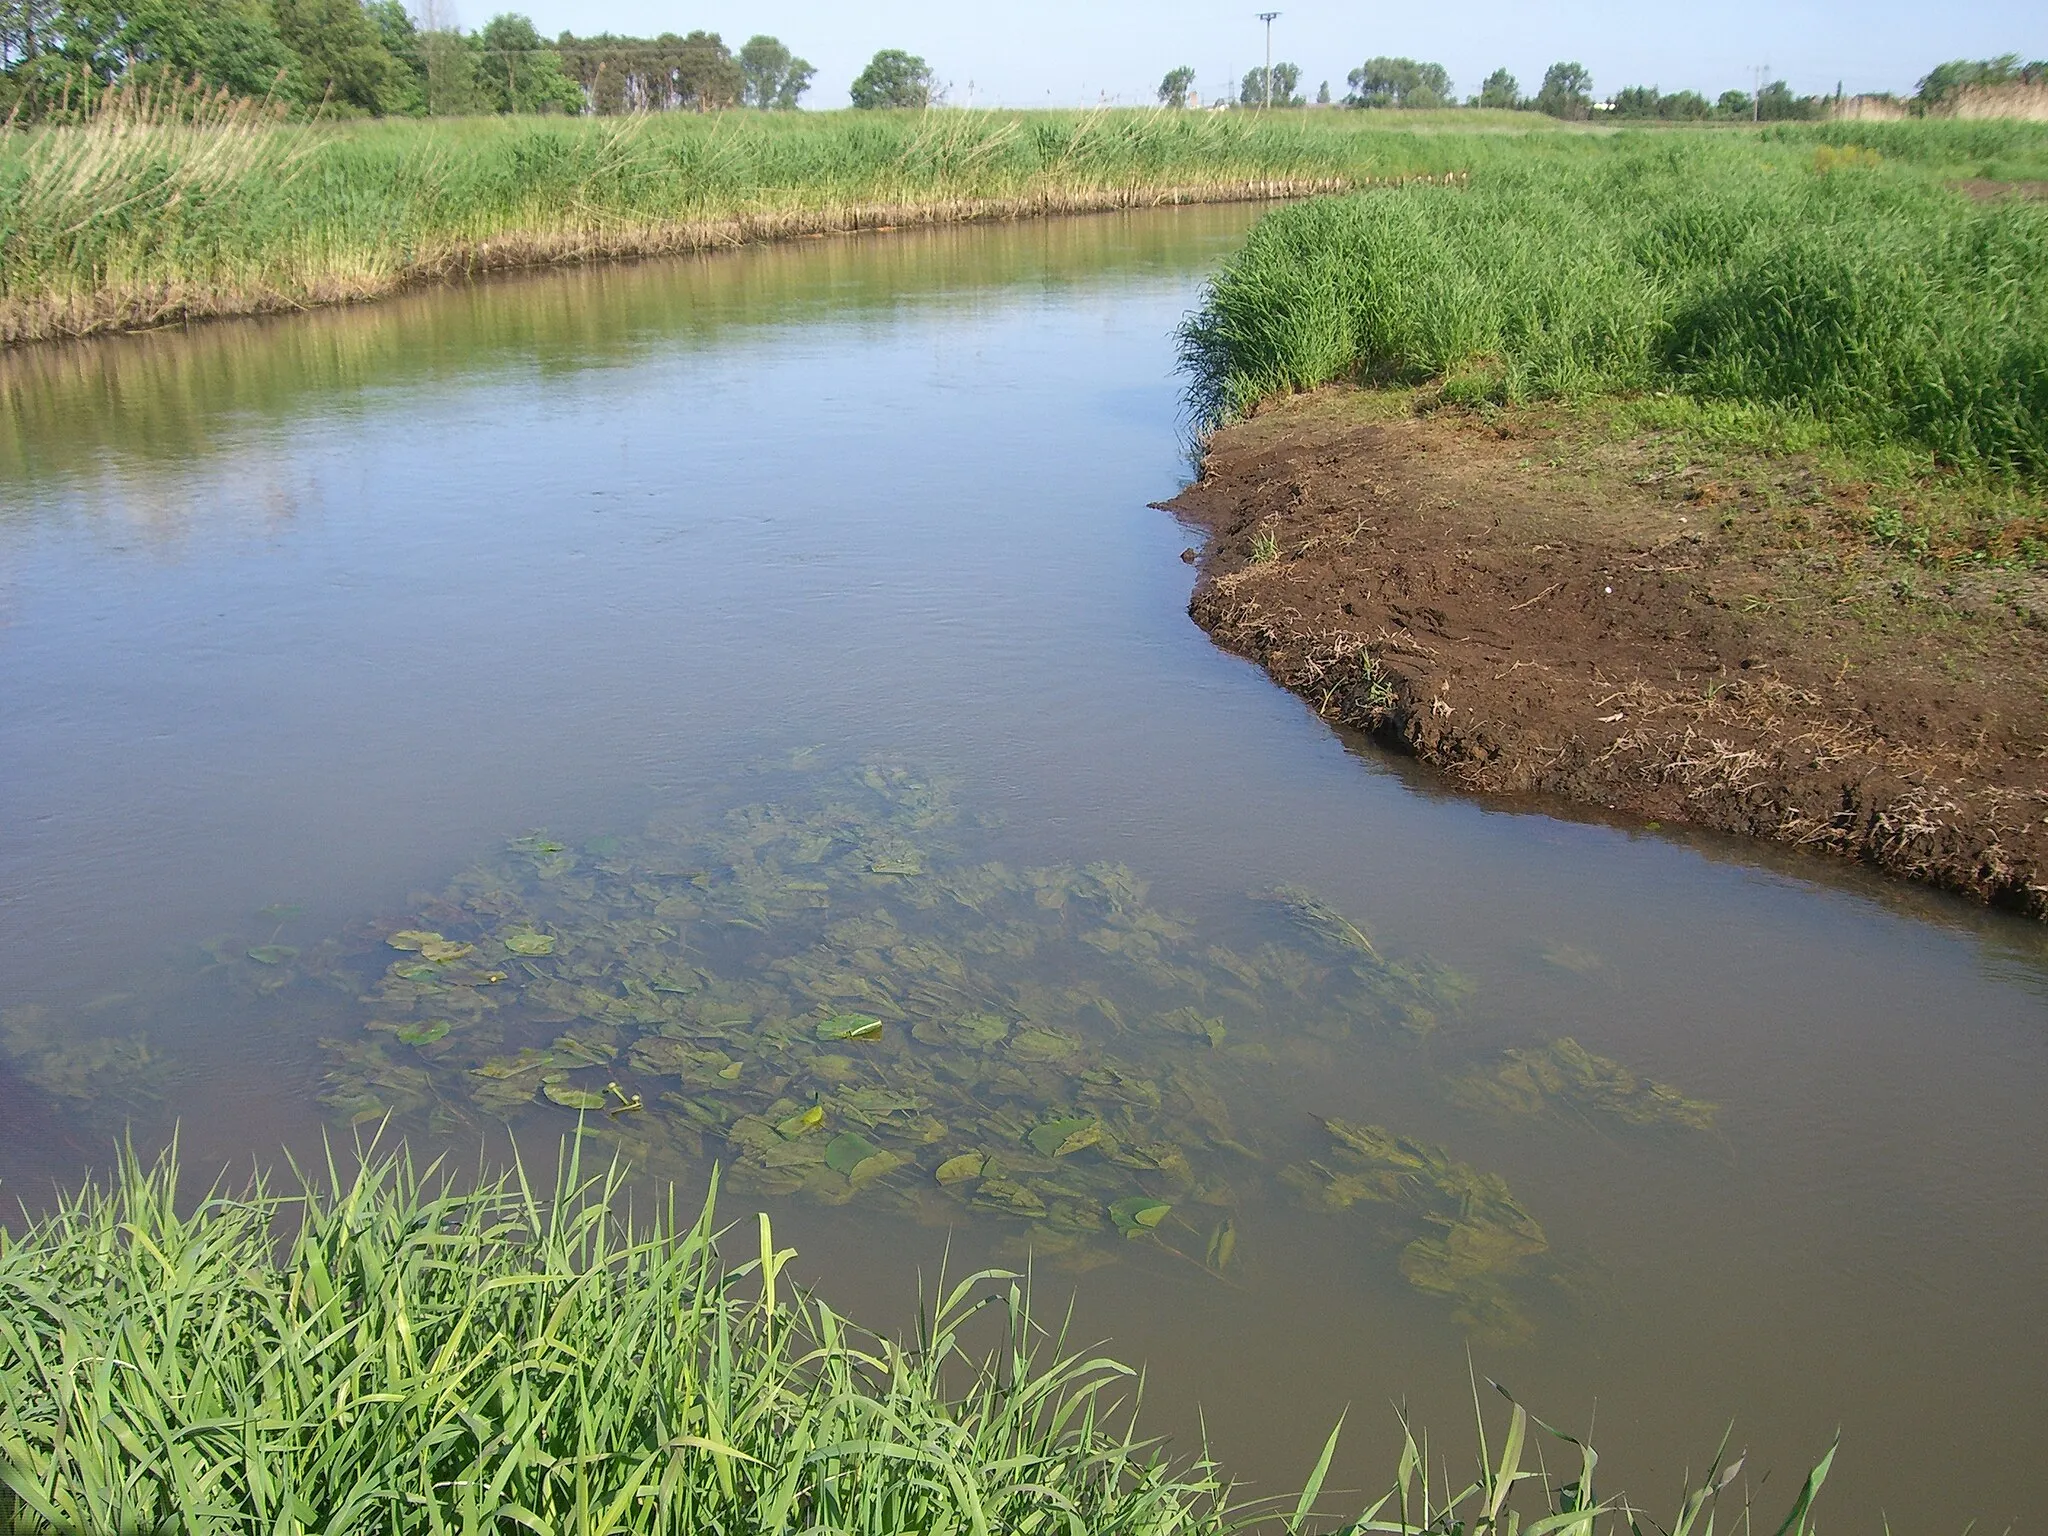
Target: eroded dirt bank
[1635,633]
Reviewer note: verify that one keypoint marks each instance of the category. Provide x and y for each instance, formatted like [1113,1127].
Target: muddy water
[785,638]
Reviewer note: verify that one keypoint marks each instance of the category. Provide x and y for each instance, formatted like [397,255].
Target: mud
[1629,633]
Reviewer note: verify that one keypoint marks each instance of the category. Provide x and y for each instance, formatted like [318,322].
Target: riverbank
[1538,599]
[139,219]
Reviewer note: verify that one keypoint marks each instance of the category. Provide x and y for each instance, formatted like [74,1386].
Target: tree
[1637,101]
[519,72]
[775,77]
[1775,103]
[1567,91]
[1950,79]
[1323,95]
[1684,106]
[1255,89]
[1398,83]
[894,78]
[1733,104]
[340,57]
[1502,91]
[1173,90]
[707,76]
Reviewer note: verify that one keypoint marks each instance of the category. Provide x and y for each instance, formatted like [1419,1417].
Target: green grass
[379,1353]
[158,210]
[1827,275]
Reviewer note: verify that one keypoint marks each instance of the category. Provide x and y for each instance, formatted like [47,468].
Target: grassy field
[158,211]
[378,1353]
[1827,283]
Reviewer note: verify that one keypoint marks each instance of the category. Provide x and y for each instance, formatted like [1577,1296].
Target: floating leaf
[848,1151]
[1138,1214]
[424,1034]
[557,1089]
[527,941]
[850,1026]
[1059,1138]
[273,954]
[1009,1197]
[958,1170]
[418,972]
[870,1168]
[413,939]
[732,1073]
[796,1125]
[443,950]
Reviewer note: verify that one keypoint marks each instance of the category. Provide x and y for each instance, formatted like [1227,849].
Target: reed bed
[377,1351]
[1833,275]
[166,207]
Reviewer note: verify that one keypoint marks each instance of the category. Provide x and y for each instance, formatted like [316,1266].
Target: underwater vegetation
[825,995]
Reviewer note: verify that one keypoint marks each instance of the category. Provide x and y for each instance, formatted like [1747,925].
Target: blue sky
[1071,52]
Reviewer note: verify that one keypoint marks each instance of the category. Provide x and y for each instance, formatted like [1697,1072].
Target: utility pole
[1756,105]
[1267,18]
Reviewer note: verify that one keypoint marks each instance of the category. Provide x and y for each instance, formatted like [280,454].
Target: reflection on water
[1324,1077]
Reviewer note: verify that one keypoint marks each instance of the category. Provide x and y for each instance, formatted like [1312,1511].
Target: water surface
[787,634]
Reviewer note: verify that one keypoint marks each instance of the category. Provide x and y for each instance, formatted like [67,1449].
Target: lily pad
[273,954]
[1136,1215]
[870,1168]
[850,1026]
[797,1125]
[958,1170]
[527,941]
[848,1150]
[426,1033]
[557,1089]
[732,1072]
[413,939]
[418,972]
[1061,1138]
[443,950]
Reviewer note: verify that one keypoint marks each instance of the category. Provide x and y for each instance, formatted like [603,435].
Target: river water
[786,637]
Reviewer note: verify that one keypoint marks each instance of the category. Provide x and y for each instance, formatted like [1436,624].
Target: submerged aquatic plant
[1565,1075]
[1480,1235]
[826,996]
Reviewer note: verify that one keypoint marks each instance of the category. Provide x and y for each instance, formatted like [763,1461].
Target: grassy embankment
[150,213]
[376,1353]
[1828,290]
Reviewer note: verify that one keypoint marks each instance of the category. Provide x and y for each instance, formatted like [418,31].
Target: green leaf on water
[1223,1244]
[1059,1138]
[797,1125]
[413,939]
[418,971]
[444,950]
[273,954]
[958,1170]
[850,1026]
[1137,1214]
[557,1089]
[526,941]
[732,1073]
[871,1168]
[426,1033]
[847,1151]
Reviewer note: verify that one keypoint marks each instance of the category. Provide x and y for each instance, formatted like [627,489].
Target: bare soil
[1532,616]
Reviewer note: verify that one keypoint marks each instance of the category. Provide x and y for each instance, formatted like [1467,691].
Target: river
[789,631]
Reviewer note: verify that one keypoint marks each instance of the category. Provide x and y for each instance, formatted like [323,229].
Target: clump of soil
[1676,645]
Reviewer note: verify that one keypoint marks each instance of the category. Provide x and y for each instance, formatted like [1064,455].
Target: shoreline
[1526,618]
[38,319]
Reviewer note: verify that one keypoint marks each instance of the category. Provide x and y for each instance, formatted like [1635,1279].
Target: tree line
[1567,91]
[375,57]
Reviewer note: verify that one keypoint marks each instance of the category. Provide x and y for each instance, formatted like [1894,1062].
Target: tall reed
[378,1351]
[1863,294]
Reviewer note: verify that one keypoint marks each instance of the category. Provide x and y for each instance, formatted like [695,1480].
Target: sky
[1079,52]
